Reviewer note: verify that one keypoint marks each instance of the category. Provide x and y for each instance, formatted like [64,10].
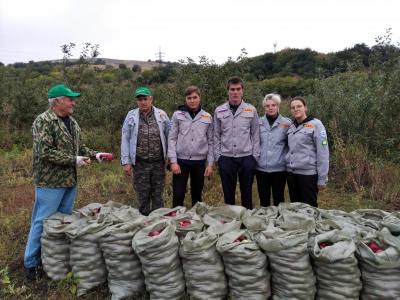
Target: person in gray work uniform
[236,143]
[144,150]
[271,167]
[307,160]
[190,145]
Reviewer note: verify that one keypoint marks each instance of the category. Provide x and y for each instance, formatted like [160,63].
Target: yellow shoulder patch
[247,109]
[308,125]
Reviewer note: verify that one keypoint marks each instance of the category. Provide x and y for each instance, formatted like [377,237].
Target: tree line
[354,91]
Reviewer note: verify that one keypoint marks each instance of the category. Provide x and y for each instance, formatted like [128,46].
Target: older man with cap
[57,152]
[144,150]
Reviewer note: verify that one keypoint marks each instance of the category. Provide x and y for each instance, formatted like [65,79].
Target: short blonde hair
[274,97]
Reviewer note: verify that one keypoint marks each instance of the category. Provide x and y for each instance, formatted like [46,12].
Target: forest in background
[355,92]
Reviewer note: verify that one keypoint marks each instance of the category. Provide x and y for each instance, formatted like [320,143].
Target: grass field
[97,183]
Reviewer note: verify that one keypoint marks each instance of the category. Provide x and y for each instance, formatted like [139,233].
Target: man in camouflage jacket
[57,152]
[144,150]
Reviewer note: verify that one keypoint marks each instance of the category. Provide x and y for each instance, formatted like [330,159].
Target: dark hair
[299,98]
[192,89]
[234,80]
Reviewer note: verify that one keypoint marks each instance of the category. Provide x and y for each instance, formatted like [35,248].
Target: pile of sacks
[293,251]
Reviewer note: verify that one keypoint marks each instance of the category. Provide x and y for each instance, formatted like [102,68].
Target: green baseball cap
[60,90]
[142,91]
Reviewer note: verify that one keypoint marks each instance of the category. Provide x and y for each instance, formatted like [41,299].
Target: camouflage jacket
[55,150]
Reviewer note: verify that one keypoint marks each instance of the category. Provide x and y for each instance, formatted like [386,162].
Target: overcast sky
[218,29]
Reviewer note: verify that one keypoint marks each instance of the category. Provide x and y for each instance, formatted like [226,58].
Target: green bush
[288,86]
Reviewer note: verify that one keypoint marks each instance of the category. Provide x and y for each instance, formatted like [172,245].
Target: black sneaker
[34,273]
[31,273]
[39,271]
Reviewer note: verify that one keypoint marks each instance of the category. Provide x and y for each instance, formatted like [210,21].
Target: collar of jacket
[53,117]
[186,113]
[158,113]
[241,107]
[151,112]
[308,119]
[278,120]
[274,118]
[193,114]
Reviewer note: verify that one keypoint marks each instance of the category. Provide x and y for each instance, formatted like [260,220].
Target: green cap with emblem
[142,91]
[60,90]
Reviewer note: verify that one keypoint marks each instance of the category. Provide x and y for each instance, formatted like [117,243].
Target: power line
[160,55]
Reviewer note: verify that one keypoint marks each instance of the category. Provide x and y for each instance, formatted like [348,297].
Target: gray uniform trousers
[148,182]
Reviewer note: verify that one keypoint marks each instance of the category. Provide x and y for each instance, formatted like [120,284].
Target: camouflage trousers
[148,183]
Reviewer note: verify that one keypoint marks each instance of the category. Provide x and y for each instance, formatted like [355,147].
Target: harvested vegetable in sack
[257,219]
[291,269]
[297,215]
[322,226]
[55,246]
[233,211]
[379,260]
[187,222]
[347,222]
[125,277]
[223,219]
[370,217]
[157,247]
[120,213]
[86,258]
[200,208]
[168,213]
[245,266]
[87,262]
[336,267]
[392,222]
[299,207]
[203,267]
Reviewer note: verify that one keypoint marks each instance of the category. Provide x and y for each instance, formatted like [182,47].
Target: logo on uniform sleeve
[308,125]
[323,134]
[131,121]
[205,117]
[163,115]
[247,109]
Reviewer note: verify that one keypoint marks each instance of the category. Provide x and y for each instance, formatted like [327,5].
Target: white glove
[82,161]
[104,156]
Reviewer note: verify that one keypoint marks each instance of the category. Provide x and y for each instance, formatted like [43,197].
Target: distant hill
[144,65]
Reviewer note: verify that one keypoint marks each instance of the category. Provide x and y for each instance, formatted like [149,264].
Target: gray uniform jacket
[274,145]
[189,138]
[308,150]
[236,135]
[130,134]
